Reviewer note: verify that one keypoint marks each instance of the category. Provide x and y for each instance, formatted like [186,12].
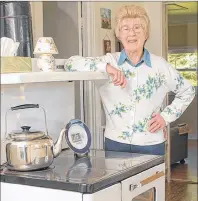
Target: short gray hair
[132,11]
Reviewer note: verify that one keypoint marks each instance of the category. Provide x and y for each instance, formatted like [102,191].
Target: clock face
[78,136]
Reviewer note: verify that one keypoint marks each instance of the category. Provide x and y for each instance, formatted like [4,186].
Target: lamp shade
[45,45]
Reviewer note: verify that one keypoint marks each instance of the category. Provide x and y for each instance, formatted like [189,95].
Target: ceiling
[182,8]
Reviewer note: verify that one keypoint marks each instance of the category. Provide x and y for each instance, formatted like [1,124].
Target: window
[186,64]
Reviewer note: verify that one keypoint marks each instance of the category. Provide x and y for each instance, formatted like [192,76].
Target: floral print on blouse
[129,110]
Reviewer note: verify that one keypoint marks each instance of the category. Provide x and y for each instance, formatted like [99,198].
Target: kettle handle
[25,106]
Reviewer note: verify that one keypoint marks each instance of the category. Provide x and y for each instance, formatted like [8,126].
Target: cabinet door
[112,193]
[146,186]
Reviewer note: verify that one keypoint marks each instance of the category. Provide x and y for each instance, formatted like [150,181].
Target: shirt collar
[145,58]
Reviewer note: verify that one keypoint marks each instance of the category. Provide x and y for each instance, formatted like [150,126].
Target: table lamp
[46,47]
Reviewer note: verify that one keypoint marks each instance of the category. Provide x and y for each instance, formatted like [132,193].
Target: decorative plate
[78,136]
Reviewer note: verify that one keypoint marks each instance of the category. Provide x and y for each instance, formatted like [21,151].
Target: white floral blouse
[128,110]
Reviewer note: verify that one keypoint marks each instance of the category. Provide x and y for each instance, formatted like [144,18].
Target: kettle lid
[26,134]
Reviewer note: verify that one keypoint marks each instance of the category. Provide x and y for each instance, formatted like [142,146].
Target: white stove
[102,176]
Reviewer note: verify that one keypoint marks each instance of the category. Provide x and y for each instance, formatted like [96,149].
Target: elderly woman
[139,82]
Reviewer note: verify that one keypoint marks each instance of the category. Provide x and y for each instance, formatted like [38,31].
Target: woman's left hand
[156,123]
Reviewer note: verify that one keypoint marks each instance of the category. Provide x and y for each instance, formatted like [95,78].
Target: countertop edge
[80,188]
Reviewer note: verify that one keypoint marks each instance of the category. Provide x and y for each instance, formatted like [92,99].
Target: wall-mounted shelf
[36,77]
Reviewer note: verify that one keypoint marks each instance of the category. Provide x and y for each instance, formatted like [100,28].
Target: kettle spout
[58,144]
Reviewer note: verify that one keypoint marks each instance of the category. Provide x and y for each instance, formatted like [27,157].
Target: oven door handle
[147,180]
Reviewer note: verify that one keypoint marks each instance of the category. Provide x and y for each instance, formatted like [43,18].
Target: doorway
[182,55]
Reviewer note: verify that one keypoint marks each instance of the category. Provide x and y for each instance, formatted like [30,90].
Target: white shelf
[36,77]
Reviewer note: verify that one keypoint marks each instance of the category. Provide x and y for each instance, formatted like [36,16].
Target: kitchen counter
[85,175]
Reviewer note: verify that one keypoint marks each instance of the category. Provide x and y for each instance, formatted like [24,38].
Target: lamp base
[46,62]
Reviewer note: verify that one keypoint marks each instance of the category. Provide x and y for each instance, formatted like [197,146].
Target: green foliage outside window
[191,76]
[186,61]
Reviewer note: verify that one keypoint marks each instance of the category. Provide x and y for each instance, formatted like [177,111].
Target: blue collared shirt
[145,58]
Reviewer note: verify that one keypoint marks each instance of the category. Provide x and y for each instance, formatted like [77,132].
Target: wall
[186,35]
[154,44]
[101,33]
[60,21]
[37,20]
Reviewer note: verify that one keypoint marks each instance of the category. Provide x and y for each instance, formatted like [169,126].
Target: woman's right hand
[117,76]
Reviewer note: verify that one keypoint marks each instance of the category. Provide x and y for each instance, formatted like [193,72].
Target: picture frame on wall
[106,46]
[105,15]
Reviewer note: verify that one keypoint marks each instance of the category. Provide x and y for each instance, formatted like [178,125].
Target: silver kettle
[30,149]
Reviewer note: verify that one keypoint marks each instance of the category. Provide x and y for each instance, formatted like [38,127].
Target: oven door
[146,186]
